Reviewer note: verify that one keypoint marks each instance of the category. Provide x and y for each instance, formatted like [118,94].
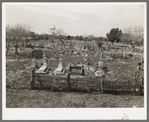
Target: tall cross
[53,29]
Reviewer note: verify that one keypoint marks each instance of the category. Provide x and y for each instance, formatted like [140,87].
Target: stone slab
[42,71]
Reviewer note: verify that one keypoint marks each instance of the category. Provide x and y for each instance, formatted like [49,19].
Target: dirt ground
[20,95]
[46,99]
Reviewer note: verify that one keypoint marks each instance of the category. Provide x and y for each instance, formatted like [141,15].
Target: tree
[99,44]
[114,35]
[125,38]
[32,34]
[81,38]
[16,34]
[68,37]
[90,37]
[136,35]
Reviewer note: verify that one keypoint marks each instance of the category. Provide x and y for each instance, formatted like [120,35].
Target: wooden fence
[69,82]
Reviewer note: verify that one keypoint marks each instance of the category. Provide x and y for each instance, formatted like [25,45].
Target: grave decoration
[60,70]
[44,68]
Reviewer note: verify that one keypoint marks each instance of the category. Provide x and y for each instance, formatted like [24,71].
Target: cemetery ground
[20,95]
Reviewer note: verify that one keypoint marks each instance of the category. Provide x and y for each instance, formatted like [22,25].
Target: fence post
[32,77]
[69,87]
[142,86]
[102,84]
[83,72]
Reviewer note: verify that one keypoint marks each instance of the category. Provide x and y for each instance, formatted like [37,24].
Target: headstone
[86,55]
[99,73]
[33,62]
[60,69]
[44,67]
[82,48]
[101,55]
[100,64]
[75,53]
[45,61]
[124,54]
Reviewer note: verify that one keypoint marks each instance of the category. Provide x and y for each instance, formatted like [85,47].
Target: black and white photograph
[67,60]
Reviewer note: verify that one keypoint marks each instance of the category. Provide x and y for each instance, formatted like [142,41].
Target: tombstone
[34,63]
[99,73]
[88,65]
[68,67]
[45,61]
[101,55]
[44,68]
[86,55]
[75,53]
[124,54]
[120,51]
[60,69]
[82,48]
[98,70]
[100,64]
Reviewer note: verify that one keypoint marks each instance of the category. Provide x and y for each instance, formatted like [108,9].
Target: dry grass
[20,95]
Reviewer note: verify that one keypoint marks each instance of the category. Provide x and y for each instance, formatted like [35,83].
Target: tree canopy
[114,35]
[136,35]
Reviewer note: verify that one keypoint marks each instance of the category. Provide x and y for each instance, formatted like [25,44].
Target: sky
[75,18]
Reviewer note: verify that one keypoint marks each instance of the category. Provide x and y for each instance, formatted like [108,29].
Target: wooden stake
[69,86]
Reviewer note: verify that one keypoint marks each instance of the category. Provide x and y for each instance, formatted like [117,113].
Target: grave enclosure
[71,81]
